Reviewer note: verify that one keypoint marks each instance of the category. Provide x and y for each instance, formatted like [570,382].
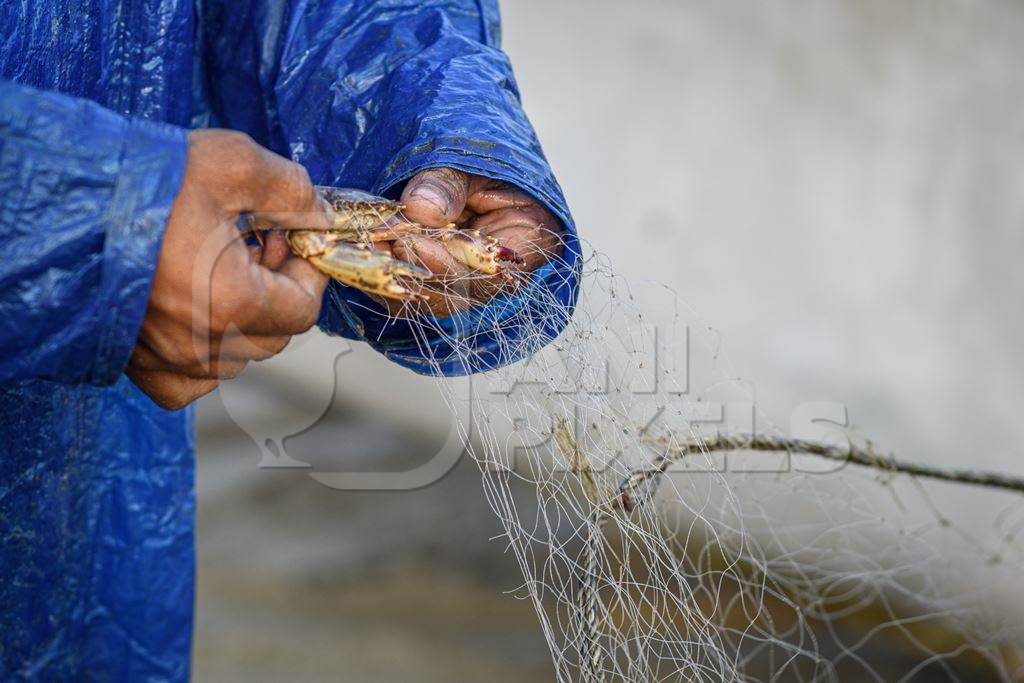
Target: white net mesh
[679,535]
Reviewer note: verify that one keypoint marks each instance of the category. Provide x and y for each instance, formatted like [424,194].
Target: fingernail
[434,195]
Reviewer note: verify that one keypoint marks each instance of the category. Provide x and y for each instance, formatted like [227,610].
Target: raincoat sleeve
[84,198]
[368,94]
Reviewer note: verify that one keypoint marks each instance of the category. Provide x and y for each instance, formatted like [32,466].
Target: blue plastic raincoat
[96,482]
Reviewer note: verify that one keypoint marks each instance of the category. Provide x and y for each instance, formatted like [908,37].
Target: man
[107,206]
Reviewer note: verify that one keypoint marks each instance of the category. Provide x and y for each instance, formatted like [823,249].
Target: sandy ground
[836,186]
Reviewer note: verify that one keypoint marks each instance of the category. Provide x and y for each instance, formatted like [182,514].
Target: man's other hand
[217,304]
[438,197]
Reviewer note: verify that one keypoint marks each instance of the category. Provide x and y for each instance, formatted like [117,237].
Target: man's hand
[441,196]
[217,304]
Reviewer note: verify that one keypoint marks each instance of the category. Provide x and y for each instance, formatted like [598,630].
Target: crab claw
[509,254]
[371,271]
[357,265]
[480,253]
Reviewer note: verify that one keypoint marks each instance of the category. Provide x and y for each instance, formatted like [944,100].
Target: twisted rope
[640,486]
[864,456]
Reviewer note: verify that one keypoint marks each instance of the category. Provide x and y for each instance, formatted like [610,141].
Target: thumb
[436,196]
[289,300]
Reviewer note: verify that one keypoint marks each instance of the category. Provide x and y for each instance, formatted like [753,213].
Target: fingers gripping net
[663,538]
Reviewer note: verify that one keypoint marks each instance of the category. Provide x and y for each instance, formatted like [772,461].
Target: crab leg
[357,265]
[364,218]
[370,271]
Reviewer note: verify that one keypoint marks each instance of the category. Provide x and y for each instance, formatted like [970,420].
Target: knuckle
[177,356]
[176,352]
[201,389]
[166,402]
[230,369]
[227,310]
[244,154]
[310,316]
[222,313]
[296,187]
[278,345]
[206,137]
[232,157]
[170,395]
[240,142]
[174,402]
[185,393]
[299,176]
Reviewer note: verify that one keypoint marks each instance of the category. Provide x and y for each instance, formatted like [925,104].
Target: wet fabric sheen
[96,482]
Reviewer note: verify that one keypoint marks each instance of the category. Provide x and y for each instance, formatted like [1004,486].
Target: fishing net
[667,530]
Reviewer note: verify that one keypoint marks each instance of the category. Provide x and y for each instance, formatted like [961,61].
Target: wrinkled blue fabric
[96,482]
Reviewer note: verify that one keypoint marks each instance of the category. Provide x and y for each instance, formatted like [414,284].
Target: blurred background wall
[837,187]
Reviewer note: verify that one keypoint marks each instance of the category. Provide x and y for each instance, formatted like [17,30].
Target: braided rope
[864,456]
[640,487]
[590,601]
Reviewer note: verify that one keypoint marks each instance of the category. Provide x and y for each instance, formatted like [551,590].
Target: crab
[346,250]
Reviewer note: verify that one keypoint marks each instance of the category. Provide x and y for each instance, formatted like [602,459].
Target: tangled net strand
[655,550]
